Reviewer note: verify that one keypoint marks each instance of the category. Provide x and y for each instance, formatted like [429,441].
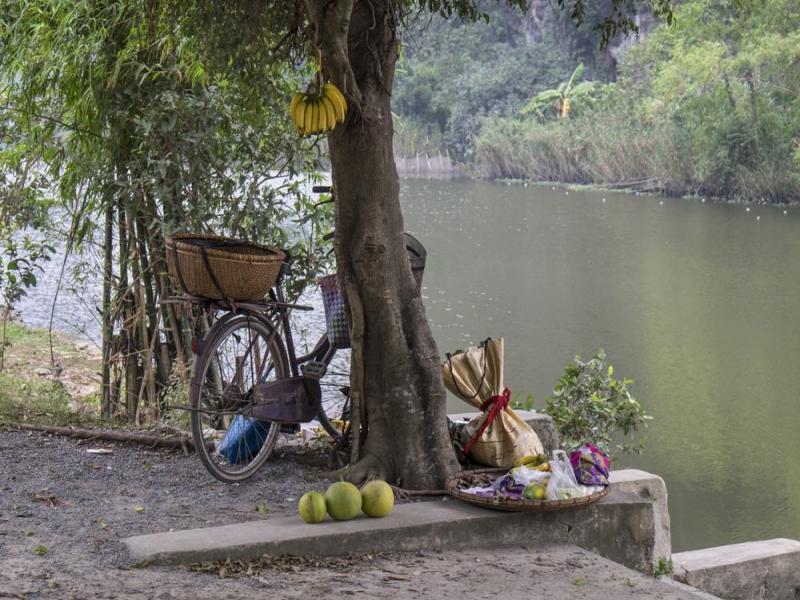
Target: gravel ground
[55,495]
[63,511]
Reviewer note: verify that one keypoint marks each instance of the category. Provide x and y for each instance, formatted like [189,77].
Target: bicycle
[246,367]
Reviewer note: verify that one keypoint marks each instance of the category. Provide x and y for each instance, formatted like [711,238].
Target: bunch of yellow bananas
[533,461]
[318,113]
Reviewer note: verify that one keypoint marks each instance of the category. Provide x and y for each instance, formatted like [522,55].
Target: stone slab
[541,423]
[689,590]
[620,527]
[763,570]
[650,487]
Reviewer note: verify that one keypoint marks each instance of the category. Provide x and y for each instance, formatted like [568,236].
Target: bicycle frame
[322,350]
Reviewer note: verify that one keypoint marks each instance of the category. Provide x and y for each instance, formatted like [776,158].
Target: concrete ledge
[541,423]
[650,487]
[692,592]
[763,570]
[621,527]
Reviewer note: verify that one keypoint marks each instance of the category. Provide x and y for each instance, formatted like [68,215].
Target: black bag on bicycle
[290,400]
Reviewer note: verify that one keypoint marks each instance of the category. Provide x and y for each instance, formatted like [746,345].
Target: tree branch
[331,22]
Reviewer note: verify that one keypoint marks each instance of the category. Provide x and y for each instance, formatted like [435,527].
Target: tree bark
[395,372]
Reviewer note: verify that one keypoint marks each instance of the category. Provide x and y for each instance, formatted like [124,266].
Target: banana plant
[561,96]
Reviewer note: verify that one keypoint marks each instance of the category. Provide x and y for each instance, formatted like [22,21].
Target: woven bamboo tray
[217,268]
[468,479]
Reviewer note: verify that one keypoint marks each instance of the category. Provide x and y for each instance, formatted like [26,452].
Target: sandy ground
[63,511]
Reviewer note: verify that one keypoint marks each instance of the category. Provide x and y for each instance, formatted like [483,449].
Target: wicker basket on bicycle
[218,268]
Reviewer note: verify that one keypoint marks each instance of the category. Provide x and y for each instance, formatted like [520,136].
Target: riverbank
[694,109]
[633,189]
[610,152]
[35,387]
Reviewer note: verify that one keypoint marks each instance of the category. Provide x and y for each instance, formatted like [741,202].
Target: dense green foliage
[455,74]
[129,126]
[590,405]
[709,106]
[23,208]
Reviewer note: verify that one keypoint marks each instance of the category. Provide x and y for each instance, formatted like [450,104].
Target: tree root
[405,495]
[366,469]
[371,467]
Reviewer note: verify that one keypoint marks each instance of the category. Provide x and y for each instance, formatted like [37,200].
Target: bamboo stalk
[107,323]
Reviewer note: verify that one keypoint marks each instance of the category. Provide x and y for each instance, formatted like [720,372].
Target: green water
[699,303]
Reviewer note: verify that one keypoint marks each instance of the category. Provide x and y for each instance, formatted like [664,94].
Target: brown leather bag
[291,400]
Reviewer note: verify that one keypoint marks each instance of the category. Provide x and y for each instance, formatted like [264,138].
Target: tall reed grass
[614,149]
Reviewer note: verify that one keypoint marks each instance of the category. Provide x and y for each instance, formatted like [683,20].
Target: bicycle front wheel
[239,353]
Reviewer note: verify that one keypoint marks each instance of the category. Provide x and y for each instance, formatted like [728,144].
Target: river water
[698,302]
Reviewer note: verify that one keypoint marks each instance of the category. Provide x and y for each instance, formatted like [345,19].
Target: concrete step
[763,570]
[621,527]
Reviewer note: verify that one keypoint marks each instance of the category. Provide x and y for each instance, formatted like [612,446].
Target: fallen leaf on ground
[46,497]
[580,581]
[99,451]
[138,508]
[262,509]
[40,550]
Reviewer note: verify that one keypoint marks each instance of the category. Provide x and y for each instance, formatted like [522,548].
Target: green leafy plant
[19,262]
[663,567]
[517,402]
[589,405]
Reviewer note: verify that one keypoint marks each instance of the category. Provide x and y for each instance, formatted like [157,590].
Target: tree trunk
[395,373]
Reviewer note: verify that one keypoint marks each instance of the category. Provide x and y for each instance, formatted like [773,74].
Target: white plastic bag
[526,475]
[562,484]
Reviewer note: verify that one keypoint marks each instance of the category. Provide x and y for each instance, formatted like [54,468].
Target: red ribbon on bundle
[497,404]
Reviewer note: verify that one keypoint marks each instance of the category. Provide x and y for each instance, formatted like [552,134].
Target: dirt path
[64,510]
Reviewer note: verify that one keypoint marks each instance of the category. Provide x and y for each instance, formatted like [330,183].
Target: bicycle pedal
[314,369]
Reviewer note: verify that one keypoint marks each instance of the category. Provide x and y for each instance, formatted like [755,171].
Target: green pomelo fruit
[377,498]
[343,501]
[312,507]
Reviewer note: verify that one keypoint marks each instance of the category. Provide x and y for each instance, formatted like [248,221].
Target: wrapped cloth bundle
[498,436]
[591,466]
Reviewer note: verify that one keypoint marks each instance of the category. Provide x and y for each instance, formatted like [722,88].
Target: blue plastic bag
[244,439]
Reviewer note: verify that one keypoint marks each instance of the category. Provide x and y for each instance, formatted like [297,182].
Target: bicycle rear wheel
[334,410]
[240,352]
